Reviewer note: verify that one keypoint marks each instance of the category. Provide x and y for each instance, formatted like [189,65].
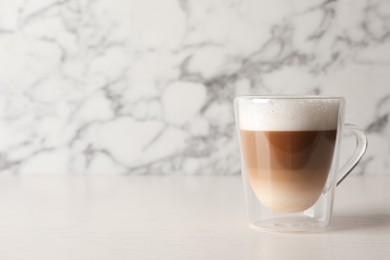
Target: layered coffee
[288,150]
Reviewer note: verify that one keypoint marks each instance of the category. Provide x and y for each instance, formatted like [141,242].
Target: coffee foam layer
[288,114]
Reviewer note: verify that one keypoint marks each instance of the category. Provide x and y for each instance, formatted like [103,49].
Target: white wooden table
[108,217]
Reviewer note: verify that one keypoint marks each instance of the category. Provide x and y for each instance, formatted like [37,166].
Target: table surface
[125,217]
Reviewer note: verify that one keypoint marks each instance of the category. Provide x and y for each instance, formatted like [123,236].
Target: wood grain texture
[107,217]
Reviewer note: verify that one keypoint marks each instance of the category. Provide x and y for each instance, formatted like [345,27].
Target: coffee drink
[287,149]
[294,173]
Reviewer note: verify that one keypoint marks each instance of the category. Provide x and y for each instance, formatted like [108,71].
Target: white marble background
[146,86]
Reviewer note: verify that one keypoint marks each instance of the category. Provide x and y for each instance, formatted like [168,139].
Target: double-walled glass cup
[289,159]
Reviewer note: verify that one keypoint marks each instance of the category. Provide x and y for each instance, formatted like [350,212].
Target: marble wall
[146,86]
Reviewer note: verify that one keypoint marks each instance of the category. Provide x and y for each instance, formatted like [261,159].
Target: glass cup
[289,159]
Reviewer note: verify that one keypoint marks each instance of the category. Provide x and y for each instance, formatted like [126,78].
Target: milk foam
[259,114]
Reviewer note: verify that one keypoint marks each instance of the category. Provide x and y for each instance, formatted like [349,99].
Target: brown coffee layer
[288,169]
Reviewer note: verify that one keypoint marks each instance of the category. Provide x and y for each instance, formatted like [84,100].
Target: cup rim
[292,97]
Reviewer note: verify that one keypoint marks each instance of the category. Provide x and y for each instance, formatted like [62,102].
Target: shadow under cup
[289,148]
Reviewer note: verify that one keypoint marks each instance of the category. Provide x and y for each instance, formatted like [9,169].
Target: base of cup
[291,225]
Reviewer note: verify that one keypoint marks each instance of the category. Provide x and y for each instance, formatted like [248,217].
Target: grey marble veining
[146,86]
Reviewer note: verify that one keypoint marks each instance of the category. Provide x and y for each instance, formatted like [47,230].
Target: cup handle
[361,147]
